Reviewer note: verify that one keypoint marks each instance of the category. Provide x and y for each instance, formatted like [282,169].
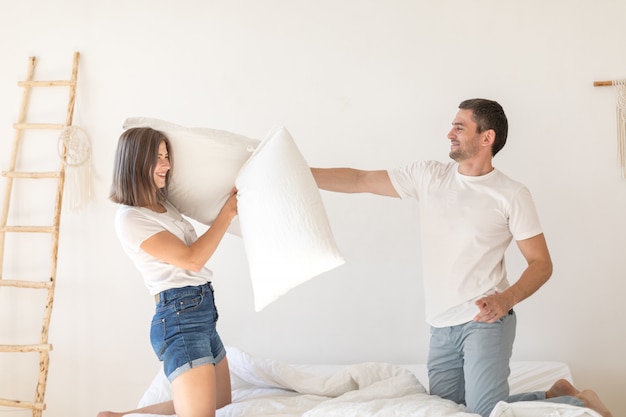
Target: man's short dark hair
[488,114]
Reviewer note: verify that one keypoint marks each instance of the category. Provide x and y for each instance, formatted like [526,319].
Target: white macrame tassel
[75,151]
[620,89]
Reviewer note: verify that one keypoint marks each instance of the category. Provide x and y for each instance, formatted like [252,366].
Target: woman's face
[162,166]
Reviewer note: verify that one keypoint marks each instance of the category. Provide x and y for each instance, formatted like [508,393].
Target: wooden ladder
[43,347]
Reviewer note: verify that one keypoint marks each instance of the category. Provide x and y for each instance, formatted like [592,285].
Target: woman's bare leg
[165,408]
[195,392]
[224,390]
[218,382]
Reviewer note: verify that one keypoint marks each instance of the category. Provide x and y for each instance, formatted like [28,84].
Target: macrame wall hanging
[620,109]
[75,151]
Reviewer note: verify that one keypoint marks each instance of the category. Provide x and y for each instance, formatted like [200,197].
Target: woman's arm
[168,248]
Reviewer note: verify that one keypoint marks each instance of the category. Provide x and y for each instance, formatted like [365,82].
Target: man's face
[464,139]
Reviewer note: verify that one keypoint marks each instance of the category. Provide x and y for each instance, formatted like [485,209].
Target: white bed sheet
[264,387]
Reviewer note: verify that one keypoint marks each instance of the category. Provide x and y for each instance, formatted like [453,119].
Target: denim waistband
[164,295]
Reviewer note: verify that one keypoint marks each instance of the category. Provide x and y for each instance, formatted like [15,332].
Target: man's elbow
[547,269]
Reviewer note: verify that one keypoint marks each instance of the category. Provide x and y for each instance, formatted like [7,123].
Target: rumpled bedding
[272,388]
[263,387]
[277,389]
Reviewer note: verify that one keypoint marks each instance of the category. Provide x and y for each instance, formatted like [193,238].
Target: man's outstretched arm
[350,180]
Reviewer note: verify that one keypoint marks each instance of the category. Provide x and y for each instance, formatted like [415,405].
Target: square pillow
[206,164]
[285,230]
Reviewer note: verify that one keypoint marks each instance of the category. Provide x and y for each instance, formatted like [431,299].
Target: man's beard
[456,155]
[460,154]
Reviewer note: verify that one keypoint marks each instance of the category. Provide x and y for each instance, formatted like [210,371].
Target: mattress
[264,387]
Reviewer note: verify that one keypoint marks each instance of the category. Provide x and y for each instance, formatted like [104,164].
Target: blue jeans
[183,332]
[469,364]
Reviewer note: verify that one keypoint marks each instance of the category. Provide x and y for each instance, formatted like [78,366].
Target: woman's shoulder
[131,214]
[142,215]
[124,211]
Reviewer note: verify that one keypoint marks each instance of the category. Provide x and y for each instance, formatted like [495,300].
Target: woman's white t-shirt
[467,223]
[136,224]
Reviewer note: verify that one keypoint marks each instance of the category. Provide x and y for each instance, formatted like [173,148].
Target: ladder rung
[22,404]
[56,83]
[25,284]
[49,126]
[29,229]
[15,174]
[43,347]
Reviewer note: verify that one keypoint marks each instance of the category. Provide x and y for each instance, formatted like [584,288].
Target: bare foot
[562,388]
[591,400]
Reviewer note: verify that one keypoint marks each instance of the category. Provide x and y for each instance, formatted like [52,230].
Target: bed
[264,387]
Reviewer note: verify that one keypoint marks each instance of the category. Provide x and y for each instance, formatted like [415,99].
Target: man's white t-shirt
[467,223]
[136,224]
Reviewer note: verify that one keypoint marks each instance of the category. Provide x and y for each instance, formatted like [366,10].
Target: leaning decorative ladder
[43,347]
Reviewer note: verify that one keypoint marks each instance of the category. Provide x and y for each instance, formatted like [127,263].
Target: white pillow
[285,230]
[281,218]
[206,162]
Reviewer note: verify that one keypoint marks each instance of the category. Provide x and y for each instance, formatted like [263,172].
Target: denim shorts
[183,333]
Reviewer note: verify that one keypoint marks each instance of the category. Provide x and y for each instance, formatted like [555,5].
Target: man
[470,213]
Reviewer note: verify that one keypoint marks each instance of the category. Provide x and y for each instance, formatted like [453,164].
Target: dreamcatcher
[620,89]
[75,151]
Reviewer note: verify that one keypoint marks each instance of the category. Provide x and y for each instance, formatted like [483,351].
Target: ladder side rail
[12,162]
[36,407]
[44,356]
[58,206]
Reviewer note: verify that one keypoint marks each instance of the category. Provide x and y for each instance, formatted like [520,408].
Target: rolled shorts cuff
[197,362]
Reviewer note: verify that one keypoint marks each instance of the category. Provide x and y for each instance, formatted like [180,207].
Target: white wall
[372,84]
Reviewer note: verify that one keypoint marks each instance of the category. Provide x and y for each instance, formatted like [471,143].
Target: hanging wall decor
[620,110]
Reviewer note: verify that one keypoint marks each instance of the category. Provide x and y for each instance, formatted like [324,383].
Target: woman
[171,258]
